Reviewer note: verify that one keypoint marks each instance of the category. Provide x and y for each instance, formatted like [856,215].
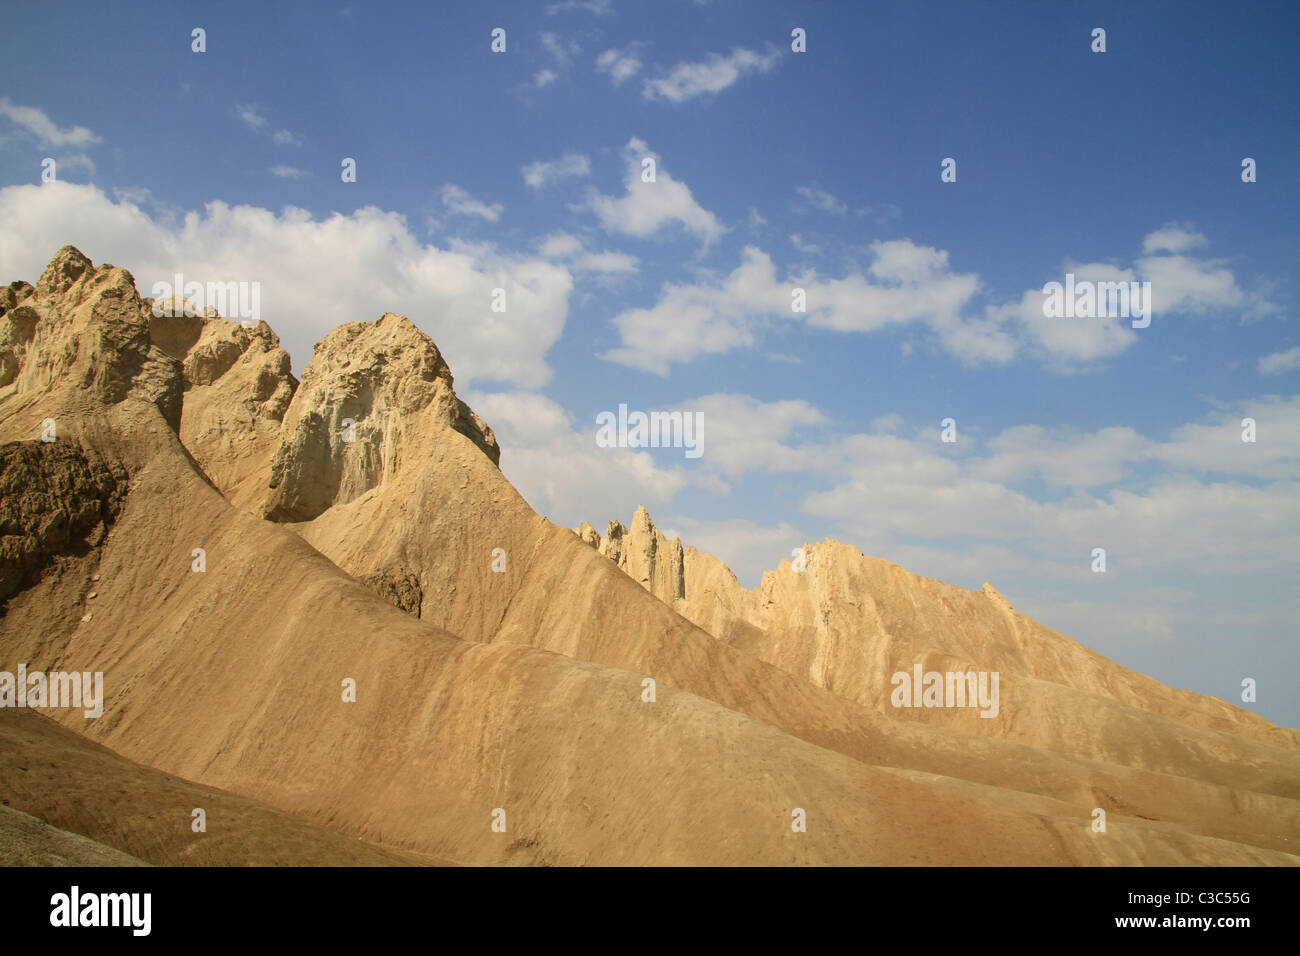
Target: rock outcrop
[89,326]
[371,389]
[238,383]
[55,498]
[649,558]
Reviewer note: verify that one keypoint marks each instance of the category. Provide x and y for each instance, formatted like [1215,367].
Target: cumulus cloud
[646,208]
[906,284]
[1173,237]
[557,466]
[314,273]
[1068,342]
[1215,503]
[745,546]
[1180,284]
[745,434]
[687,81]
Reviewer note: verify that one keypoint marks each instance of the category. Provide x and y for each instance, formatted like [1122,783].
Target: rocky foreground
[325,616]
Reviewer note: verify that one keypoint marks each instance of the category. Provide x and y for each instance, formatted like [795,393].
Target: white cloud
[1216,505]
[555,463]
[76,161]
[544,77]
[1067,342]
[889,490]
[1062,456]
[1173,237]
[561,49]
[570,249]
[912,285]
[747,548]
[545,172]
[461,203]
[1214,446]
[1280,362]
[560,245]
[314,273]
[646,208]
[807,248]
[251,114]
[743,434]
[1181,284]
[600,8]
[693,320]
[686,81]
[254,117]
[289,172]
[814,198]
[606,262]
[621,64]
[38,124]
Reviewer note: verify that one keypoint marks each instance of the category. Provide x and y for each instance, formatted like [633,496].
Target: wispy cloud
[461,203]
[254,117]
[562,246]
[544,172]
[601,8]
[686,81]
[809,198]
[251,115]
[38,124]
[621,64]
[1280,362]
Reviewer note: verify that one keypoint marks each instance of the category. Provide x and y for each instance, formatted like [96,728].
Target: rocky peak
[373,391]
[67,266]
[87,326]
[991,592]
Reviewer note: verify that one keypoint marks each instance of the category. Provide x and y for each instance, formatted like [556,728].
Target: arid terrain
[325,617]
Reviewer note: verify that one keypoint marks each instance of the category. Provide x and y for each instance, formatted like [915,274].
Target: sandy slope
[1095,734]
[114,807]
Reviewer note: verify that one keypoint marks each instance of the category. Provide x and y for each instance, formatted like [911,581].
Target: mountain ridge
[500,660]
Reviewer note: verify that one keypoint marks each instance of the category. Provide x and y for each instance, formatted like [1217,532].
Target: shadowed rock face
[54,498]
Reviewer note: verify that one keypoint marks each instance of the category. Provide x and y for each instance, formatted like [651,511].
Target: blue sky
[775,169]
